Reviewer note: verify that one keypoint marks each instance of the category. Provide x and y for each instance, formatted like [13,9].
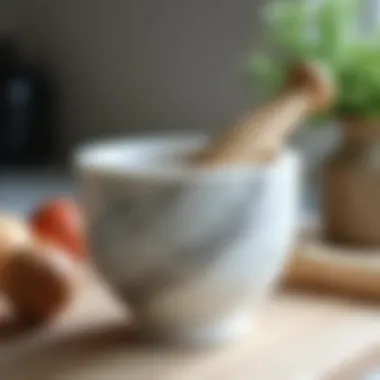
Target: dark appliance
[26,136]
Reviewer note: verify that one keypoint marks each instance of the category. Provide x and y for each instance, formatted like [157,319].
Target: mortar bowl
[193,251]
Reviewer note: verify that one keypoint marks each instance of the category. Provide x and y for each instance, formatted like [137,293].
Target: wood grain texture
[366,367]
[297,337]
[321,266]
[260,136]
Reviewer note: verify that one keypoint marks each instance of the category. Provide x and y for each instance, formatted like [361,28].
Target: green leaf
[289,24]
[336,25]
[298,31]
[264,70]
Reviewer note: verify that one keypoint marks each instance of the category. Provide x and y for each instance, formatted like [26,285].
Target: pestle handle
[259,136]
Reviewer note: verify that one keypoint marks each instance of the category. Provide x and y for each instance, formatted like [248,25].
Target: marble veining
[186,253]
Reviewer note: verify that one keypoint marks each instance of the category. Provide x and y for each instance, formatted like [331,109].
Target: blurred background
[75,71]
[137,65]
[133,66]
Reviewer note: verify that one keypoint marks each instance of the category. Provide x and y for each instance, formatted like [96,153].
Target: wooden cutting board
[322,266]
[297,337]
[366,367]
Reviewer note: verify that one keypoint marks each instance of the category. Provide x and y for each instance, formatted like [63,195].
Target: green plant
[328,32]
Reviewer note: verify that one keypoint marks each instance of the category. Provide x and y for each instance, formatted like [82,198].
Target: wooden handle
[259,136]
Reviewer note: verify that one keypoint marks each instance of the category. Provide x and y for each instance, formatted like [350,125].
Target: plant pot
[351,186]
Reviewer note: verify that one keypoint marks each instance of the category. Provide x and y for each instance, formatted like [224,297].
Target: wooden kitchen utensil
[259,136]
[324,267]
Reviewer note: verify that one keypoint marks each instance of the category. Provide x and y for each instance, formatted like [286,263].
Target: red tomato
[60,222]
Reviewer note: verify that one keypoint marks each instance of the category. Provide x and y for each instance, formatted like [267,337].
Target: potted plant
[330,32]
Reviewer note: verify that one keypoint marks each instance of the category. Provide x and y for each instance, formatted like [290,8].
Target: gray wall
[126,66]
[9,17]
[139,65]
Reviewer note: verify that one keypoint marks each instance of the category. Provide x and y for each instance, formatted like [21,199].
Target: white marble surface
[189,250]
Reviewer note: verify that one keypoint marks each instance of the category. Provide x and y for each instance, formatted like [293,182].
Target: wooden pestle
[260,135]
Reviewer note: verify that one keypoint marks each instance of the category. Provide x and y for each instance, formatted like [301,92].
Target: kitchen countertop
[299,337]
